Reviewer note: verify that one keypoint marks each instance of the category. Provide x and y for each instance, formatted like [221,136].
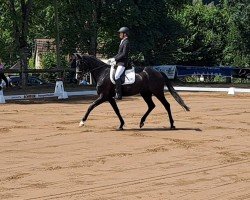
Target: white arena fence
[61,94]
[205,89]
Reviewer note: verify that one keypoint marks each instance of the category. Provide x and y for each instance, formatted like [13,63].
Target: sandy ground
[45,155]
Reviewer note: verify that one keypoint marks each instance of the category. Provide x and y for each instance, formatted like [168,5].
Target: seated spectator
[84,82]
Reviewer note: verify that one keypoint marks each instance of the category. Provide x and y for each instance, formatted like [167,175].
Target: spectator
[2,76]
[72,63]
[84,82]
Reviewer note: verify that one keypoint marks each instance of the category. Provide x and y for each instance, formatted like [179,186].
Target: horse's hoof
[172,128]
[120,129]
[141,125]
[81,124]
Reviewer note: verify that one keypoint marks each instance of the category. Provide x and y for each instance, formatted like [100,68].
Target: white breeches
[120,69]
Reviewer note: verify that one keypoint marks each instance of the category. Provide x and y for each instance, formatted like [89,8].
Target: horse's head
[88,63]
[82,66]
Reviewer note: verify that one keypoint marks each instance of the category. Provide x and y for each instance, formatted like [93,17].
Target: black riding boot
[118,89]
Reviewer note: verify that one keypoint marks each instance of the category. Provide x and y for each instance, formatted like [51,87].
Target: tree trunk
[93,44]
[93,38]
[20,33]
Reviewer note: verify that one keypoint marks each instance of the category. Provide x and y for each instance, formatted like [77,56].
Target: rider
[121,59]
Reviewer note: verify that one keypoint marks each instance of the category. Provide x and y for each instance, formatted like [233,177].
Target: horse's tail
[174,93]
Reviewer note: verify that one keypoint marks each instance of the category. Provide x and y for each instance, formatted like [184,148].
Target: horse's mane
[94,60]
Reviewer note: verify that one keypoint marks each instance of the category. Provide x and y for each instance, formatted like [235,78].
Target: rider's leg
[118,83]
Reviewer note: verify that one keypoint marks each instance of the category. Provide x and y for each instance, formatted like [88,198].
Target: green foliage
[192,79]
[49,61]
[76,25]
[207,79]
[215,35]
[7,49]
[237,51]
[162,31]
[31,63]
[203,42]
[219,79]
[152,35]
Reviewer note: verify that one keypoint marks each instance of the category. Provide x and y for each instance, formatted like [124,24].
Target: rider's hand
[111,61]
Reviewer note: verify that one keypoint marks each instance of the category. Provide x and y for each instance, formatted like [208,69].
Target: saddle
[127,77]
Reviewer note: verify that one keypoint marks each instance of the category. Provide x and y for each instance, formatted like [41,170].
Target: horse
[148,82]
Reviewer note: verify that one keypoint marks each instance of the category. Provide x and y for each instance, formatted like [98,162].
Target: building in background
[43,46]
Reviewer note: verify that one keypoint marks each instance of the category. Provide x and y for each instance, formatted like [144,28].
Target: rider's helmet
[124,30]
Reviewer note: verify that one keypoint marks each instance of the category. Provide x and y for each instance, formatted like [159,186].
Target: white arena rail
[205,89]
[61,94]
[47,95]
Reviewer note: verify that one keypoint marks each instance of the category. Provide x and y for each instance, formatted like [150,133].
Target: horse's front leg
[97,102]
[116,109]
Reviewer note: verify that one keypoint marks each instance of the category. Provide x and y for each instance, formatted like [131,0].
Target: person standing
[2,76]
[121,59]
[72,63]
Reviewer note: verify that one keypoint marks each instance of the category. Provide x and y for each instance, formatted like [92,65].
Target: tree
[151,29]
[20,12]
[162,31]
[6,42]
[204,39]
[237,51]
[79,22]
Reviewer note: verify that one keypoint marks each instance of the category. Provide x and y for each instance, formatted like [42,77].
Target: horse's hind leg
[165,103]
[116,109]
[97,102]
[148,99]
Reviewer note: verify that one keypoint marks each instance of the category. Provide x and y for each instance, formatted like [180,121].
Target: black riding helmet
[124,30]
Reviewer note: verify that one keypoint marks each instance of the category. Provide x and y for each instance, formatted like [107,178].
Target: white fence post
[2,99]
[59,90]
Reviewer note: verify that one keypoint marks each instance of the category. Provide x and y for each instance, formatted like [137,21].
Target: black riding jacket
[122,58]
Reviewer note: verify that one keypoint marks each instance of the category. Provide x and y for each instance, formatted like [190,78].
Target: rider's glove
[111,61]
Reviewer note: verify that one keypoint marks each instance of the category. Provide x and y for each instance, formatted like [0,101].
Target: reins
[97,67]
[94,68]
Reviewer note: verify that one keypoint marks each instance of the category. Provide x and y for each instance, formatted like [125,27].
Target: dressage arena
[45,155]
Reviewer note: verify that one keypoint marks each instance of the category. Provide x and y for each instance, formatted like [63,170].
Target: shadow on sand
[164,129]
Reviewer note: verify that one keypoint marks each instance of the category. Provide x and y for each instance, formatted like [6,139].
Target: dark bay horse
[148,82]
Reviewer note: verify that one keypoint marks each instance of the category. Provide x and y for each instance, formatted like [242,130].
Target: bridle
[81,73]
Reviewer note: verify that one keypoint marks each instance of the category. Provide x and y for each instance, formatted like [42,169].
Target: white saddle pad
[129,75]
